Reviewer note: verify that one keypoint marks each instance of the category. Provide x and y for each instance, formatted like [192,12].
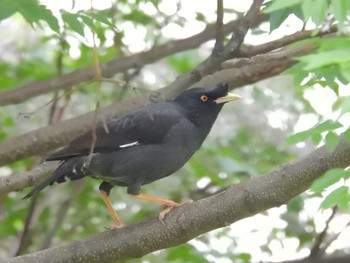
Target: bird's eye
[204,98]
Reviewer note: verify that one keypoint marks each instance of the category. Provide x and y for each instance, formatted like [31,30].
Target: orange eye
[204,98]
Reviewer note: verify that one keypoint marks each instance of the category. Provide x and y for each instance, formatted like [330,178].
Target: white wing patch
[129,144]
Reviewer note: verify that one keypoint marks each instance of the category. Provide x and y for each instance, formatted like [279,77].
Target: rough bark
[327,259]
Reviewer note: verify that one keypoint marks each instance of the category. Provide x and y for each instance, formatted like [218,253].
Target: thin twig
[334,237]
[219,26]
[66,93]
[23,240]
[316,250]
[61,214]
[98,78]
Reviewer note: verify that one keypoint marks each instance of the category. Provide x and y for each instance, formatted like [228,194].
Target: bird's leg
[169,203]
[157,200]
[105,189]
[135,191]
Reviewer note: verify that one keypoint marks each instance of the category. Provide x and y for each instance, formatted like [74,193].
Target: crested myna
[143,146]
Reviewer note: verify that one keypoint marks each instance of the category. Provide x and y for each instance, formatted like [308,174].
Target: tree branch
[239,72]
[219,38]
[119,64]
[282,42]
[189,221]
[326,259]
[28,178]
[316,251]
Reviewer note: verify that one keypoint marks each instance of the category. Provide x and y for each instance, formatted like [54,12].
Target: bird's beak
[229,97]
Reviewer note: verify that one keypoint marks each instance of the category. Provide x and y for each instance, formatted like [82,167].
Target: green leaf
[338,103]
[326,126]
[314,133]
[345,70]
[8,121]
[184,61]
[277,18]
[340,9]
[34,13]
[74,23]
[332,141]
[51,20]
[298,137]
[246,257]
[307,8]
[138,16]
[346,134]
[339,196]
[200,17]
[316,138]
[7,9]
[345,105]
[295,205]
[87,20]
[280,4]
[329,178]
[314,61]
[319,13]
[102,18]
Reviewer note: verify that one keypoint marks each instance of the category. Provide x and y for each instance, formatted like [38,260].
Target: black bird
[145,145]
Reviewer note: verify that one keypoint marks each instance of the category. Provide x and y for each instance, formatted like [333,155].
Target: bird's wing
[148,125]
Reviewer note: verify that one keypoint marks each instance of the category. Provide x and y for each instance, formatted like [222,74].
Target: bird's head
[202,105]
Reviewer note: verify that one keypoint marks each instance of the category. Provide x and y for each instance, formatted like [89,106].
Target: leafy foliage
[340,196]
[31,10]
[310,9]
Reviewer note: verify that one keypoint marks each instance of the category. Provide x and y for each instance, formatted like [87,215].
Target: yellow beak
[229,97]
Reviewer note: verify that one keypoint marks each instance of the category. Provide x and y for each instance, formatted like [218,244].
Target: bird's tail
[71,169]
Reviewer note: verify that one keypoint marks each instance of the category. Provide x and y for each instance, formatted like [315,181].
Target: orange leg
[118,222]
[169,203]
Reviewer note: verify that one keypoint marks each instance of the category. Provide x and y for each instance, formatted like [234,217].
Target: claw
[163,213]
[114,226]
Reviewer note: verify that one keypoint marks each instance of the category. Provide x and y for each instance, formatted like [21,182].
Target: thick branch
[189,221]
[327,259]
[28,178]
[117,65]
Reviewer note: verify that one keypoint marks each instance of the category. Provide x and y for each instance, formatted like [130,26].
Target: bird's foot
[115,226]
[170,207]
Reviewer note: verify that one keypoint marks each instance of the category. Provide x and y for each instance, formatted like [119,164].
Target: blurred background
[248,139]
